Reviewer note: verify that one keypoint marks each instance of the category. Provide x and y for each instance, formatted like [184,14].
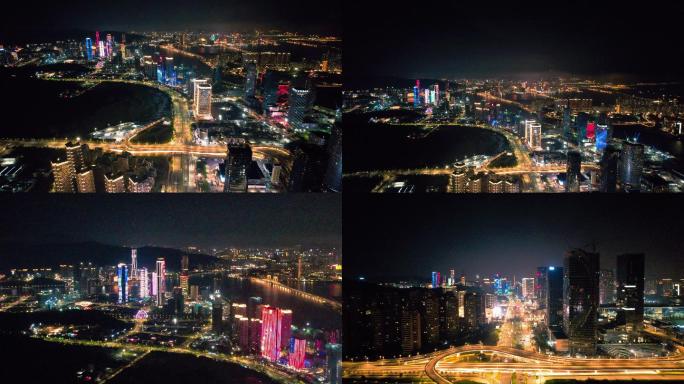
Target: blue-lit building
[435,279]
[416,94]
[122,273]
[602,134]
[89,48]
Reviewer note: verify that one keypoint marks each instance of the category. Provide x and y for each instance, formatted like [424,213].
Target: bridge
[336,305]
[456,363]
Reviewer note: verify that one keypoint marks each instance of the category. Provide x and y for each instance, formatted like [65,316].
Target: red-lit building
[296,358]
[275,331]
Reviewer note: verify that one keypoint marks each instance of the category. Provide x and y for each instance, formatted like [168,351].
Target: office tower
[89,48]
[179,302]
[134,262]
[581,300]
[333,353]
[333,173]
[567,122]
[161,281]
[535,135]
[185,274]
[416,94]
[540,286]
[202,100]
[554,303]
[101,49]
[297,354]
[85,181]
[242,330]
[602,135]
[238,159]
[435,279]
[122,274]
[434,94]
[250,80]
[630,291]
[122,46]
[169,71]
[299,267]
[217,316]
[97,37]
[631,166]
[62,172]
[286,327]
[307,170]
[274,327]
[114,184]
[299,105]
[528,287]
[606,287]
[144,283]
[609,169]
[109,46]
[581,121]
[573,172]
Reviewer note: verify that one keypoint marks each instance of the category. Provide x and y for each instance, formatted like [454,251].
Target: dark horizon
[303,16]
[205,221]
[512,235]
[495,39]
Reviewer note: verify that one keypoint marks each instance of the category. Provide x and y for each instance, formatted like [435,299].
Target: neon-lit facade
[436,278]
[122,274]
[297,354]
[89,48]
[275,331]
[144,283]
[161,278]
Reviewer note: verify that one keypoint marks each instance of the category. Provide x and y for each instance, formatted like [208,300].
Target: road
[442,366]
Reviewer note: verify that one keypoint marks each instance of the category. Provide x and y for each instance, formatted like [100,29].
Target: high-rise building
[297,354]
[89,49]
[114,184]
[609,169]
[161,281]
[217,316]
[435,279]
[185,274]
[573,172]
[606,287]
[143,278]
[631,166]
[238,159]
[275,326]
[333,173]
[540,286]
[334,363]
[122,274]
[202,100]
[581,300]
[134,262]
[533,134]
[77,155]
[458,180]
[416,94]
[630,291]
[250,80]
[528,287]
[299,106]
[85,181]
[554,303]
[62,172]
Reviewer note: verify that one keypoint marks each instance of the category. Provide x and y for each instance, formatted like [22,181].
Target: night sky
[174,220]
[457,39]
[512,234]
[208,15]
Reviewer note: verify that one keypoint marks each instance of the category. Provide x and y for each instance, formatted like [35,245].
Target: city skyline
[506,235]
[489,40]
[206,15]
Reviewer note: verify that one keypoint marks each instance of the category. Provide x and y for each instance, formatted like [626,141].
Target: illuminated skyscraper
[144,283]
[89,48]
[134,262]
[609,169]
[202,100]
[122,274]
[108,46]
[573,172]
[275,327]
[527,287]
[297,354]
[416,94]
[299,105]
[77,155]
[630,291]
[153,285]
[238,159]
[185,274]
[101,49]
[122,46]
[540,286]
[161,281]
[581,300]
[250,79]
[606,287]
[169,71]
[217,315]
[631,166]
[436,279]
